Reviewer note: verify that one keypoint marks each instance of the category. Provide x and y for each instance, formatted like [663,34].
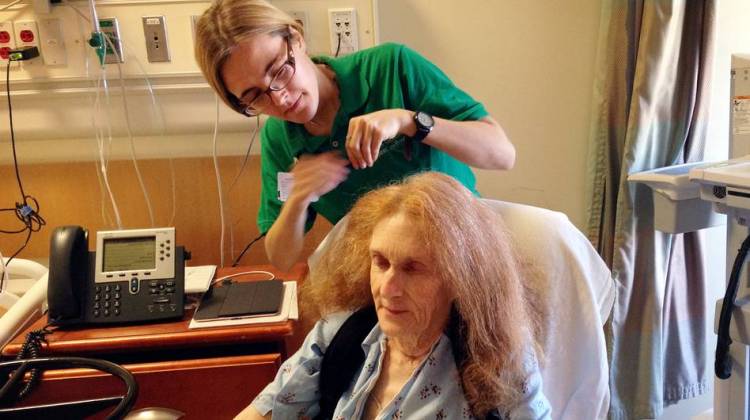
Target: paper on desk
[289,310]
[198,278]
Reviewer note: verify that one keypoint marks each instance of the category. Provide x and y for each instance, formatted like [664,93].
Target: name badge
[285,183]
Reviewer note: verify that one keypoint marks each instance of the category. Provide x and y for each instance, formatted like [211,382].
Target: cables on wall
[104,131]
[27,209]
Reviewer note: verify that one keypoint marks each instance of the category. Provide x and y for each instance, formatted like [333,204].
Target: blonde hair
[225,24]
[473,257]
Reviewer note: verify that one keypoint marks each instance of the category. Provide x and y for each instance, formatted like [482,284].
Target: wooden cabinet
[210,373]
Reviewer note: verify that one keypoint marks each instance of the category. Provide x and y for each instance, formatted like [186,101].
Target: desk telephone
[133,276]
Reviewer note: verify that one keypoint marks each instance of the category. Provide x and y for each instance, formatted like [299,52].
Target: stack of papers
[198,279]
[289,310]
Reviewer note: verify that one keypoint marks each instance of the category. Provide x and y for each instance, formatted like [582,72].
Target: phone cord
[30,350]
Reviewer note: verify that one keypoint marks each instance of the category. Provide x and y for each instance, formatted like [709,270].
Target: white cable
[11,4]
[94,17]
[101,84]
[132,141]
[103,160]
[174,192]
[157,110]
[218,181]
[272,276]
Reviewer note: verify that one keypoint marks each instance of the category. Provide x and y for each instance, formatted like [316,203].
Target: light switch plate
[155,32]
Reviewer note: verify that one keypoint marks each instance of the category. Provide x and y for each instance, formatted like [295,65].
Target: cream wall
[53,105]
[532,64]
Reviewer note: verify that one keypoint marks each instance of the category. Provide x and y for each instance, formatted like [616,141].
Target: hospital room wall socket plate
[343,23]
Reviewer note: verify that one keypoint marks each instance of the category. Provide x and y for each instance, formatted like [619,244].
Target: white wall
[532,64]
[53,104]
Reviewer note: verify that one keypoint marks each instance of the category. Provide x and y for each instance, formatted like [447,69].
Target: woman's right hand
[316,175]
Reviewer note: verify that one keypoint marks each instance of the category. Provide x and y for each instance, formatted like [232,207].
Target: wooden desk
[207,373]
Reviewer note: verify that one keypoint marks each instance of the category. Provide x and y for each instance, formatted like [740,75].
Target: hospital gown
[434,391]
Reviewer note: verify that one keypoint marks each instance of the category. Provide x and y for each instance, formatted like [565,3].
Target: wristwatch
[424,122]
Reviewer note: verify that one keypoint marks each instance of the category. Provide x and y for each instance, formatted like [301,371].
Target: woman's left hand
[367,132]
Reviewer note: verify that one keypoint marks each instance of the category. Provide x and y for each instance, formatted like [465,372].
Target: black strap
[342,359]
[344,356]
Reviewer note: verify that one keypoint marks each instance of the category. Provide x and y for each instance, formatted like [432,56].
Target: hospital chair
[580,292]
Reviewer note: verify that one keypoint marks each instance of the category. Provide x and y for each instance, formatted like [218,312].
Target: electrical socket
[27,35]
[7,40]
[343,23]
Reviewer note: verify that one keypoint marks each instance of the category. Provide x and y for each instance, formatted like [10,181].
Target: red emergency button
[27,35]
[4,37]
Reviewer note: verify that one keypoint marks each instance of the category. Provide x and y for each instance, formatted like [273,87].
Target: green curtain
[650,110]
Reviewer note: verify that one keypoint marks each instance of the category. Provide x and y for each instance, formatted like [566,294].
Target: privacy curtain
[650,110]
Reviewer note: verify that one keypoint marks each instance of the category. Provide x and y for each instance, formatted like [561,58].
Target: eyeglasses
[256,100]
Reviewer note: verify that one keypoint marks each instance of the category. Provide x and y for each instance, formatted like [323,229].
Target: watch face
[425,120]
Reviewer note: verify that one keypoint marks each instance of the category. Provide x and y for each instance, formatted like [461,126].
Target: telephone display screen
[122,254]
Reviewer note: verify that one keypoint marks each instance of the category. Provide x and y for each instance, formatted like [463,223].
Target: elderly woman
[321,109]
[451,334]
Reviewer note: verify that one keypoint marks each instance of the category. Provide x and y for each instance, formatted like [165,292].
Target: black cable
[12,135]
[338,47]
[123,407]
[30,350]
[723,363]
[27,213]
[237,260]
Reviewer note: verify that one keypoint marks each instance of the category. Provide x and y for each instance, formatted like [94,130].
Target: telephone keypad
[104,299]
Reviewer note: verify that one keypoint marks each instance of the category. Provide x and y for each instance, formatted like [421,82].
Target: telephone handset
[133,276]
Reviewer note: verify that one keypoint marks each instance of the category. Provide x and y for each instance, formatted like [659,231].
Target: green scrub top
[383,77]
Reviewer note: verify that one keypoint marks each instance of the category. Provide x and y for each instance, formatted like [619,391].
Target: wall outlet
[342,26]
[155,32]
[53,41]
[7,40]
[27,35]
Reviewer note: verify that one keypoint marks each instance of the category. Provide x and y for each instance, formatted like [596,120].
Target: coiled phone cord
[29,350]
[723,363]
